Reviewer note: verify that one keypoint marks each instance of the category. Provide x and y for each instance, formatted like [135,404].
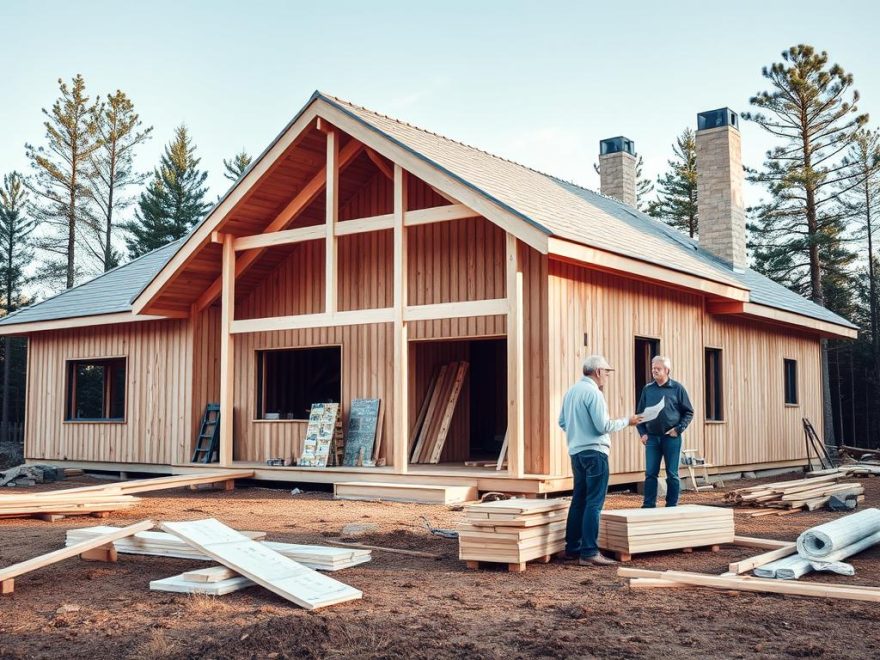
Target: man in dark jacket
[662,435]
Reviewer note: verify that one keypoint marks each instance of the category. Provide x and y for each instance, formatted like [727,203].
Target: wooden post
[332,213]
[400,437]
[227,351]
[515,408]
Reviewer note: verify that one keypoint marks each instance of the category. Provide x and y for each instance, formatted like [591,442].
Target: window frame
[717,386]
[786,362]
[70,367]
[260,380]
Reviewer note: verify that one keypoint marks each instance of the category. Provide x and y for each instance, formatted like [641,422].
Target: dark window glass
[714,395]
[791,389]
[646,349]
[96,389]
[290,381]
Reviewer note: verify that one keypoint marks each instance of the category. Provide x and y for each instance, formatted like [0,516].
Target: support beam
[363,225]
[227,351]
[400,437]
[384,167]
[438,214]
[296,206]
[515,388]
[332,215]
[301,321]
[276,238]
[456,310]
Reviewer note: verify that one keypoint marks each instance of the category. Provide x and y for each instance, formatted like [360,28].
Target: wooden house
[358,253]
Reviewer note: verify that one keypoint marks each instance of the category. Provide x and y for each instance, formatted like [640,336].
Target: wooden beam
[752,563]
[515,387]
[227,352]
[438,214]
[456,310]
[275,238]
[301,321]
[381,164]
[332,215]
[18,329]
[400,437]
[363,225]
[302,199]
[754,542]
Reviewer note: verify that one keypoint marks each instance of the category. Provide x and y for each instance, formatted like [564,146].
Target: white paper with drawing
[651,412]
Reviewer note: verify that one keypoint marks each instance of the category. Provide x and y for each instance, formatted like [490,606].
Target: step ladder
[208,442]
[691,459]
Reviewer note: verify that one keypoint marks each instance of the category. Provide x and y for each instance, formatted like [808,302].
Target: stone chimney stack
[722,218]
[617,169]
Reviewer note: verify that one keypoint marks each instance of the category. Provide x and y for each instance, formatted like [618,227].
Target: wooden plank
[456,310]
[11,572]
[331,217]
[275,238]
[753,542]
[429,415]
[400,445]
[227,352]
[148,485]
[438,214]
[435,416]
[179,584]
[210,574]
[285,577]
[515,360]
[742,583]
[446,420]
[752,563]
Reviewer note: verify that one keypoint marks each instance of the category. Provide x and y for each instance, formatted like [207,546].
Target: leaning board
[363,418]
[261,564]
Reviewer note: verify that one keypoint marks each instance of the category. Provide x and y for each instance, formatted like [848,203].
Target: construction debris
[512,532]
[626,532]
[809,494]
[29,475]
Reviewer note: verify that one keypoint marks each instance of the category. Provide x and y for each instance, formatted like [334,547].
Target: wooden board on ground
[157,483]
[283,576]
[632,531]
[179,584]
[8,574]
[210,574]
[363,420]
[395,492]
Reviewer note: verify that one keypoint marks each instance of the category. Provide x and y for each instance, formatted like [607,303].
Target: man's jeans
[590,470]
[669,449]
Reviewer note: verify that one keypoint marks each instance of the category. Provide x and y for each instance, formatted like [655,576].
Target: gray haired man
[584,418]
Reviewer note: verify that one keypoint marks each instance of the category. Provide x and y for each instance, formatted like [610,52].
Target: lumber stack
[631,531]
[162,544]
[512,532]
[781,497]
[435,415]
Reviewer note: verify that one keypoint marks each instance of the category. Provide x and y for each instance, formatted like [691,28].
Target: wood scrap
[791,496]
[752,563]
[436,413]
[397,551]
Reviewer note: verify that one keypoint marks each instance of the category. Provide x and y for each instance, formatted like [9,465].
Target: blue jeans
[669,449]
[590,470]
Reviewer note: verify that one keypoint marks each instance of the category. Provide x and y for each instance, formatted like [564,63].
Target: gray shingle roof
[108,293]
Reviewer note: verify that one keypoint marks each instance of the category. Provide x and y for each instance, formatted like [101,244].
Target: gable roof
[109,293]
[548,206]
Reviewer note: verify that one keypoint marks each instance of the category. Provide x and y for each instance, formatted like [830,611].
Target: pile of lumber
[791,496]
[850,470]
[162,544]
[213,581]
[101,499]
[512,532]
[626,532]
[435,415]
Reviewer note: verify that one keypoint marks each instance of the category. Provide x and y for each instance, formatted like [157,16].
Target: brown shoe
[597,560]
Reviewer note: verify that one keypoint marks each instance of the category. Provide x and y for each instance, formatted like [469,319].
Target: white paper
[651,412]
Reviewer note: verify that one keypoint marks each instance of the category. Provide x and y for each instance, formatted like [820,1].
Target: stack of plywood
[512,532]
[318,557]
[435,416]
[630,531]
[790,496]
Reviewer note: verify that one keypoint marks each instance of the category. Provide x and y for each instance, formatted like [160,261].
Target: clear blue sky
[537,82]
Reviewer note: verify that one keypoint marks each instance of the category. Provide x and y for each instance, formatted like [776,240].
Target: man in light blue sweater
[584,418]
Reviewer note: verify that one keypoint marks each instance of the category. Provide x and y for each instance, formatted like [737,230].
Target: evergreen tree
[119,131]
[676,202]
[15,254]
[797,237]
[60,182]
[173,201]
[236,165]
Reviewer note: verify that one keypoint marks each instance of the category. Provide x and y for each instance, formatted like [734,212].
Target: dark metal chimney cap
[617,144]
[716,118]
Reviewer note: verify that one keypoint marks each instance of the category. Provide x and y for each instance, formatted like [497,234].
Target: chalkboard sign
[362,420]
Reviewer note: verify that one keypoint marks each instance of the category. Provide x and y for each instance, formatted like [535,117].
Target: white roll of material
[819,542]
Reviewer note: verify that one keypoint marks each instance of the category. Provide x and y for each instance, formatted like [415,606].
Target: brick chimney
[722,218]
[617,169]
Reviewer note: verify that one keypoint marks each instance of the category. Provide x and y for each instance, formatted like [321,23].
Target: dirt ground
[415,607]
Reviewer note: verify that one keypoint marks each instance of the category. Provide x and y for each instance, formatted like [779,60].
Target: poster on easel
[320,435]
[363,418]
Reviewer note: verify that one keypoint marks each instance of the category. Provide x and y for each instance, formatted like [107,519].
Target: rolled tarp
[831,562]
[772,569]
[819,542]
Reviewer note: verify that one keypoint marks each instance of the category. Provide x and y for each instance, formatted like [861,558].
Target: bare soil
[415,607]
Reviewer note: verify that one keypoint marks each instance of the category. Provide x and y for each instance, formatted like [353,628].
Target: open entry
[478,421]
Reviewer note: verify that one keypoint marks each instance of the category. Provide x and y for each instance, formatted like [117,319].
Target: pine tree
[676,202]
[173,201]
[119,131]
[61,178]
[15,254]
[236,165]
[797,237]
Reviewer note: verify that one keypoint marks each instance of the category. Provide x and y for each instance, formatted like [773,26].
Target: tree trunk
[7,359]
[71,226]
